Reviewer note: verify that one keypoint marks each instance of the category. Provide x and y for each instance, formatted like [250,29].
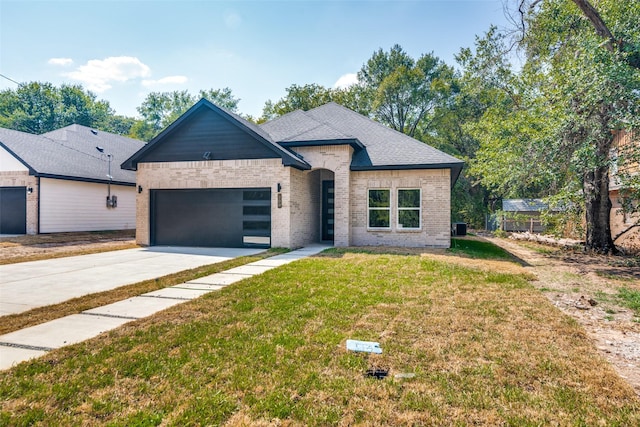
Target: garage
[213,217]
[13,210]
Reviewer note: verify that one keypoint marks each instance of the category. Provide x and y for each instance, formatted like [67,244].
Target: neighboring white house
[66,180]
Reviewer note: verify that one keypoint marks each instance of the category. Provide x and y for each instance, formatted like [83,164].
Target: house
[59,181]
[329,174]
[625,225]
[523,215]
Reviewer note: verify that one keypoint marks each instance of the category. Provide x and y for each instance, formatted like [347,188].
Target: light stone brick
[297,222]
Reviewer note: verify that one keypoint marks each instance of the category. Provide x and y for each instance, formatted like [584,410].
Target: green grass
[486,348]
[630,298]
[478,249]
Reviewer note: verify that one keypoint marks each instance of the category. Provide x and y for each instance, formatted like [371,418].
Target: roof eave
[353,142]
[83,179]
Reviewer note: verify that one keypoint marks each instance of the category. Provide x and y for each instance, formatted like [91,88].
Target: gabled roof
[70,153]
[379,147]
[262,137]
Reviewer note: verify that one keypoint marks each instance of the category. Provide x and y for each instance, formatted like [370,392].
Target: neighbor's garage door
[13,210]
[228,217]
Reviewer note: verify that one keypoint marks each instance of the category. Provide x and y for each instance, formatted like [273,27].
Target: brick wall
[336,158]
[23,179]
[436,211]
[218,174]
[297,222]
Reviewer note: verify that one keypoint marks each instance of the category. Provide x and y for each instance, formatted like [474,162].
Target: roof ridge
[326,123]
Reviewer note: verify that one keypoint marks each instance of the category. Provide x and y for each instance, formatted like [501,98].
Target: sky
[123,50]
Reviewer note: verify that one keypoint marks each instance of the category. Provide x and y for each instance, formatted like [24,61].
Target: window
[409,209]
[379,208]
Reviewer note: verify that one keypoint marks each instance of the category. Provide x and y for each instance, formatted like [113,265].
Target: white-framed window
[379,208]
[409,208]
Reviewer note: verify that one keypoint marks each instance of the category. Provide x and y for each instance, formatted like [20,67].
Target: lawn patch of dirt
[58,245]
[585,287]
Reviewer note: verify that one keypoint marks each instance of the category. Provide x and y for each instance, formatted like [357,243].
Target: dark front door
[328,203]
[13,210]
[216,217]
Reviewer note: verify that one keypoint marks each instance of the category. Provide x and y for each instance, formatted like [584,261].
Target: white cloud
[345,81]
[60,61]
[98,74]
[232,20]
[166,81]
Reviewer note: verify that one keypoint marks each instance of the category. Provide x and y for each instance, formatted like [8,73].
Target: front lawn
[484,345]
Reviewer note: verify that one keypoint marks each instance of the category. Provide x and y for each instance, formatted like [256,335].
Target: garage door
[13,210]
[229,217]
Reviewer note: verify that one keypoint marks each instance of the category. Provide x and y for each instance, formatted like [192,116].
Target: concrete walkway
[28,285]
[35,341]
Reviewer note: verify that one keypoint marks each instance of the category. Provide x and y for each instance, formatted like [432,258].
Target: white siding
[81,206]
[8,163]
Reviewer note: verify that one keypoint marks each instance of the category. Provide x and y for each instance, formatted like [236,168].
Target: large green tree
[38,107]
[309,96]
[575,90]
[405,91]
[160,109]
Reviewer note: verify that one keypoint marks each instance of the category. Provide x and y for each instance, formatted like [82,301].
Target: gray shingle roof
[71,153]
[384,148]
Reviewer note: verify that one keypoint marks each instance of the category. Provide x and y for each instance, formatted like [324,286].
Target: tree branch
[598,23]
[623,232]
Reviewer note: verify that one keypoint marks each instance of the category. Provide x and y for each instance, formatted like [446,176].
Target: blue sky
[122,50]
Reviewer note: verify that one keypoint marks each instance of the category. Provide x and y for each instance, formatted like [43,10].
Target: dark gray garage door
[228,217]
[13,210]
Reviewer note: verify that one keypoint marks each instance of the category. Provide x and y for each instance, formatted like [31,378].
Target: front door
[327,210]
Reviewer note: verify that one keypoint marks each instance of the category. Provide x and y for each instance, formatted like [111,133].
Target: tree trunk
[598,211]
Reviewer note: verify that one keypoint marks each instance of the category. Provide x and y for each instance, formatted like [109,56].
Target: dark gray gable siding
[207,131]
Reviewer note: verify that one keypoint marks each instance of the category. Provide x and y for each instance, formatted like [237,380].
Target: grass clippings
[485,347]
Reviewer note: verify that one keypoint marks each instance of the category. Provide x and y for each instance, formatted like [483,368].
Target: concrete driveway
[27,285]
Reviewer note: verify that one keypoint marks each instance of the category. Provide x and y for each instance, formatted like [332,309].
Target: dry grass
[57,245]
[485,347]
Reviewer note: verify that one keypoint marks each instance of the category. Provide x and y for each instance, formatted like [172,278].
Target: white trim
[399,226]
[369,208]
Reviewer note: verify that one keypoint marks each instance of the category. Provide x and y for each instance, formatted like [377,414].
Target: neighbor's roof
[524,205]
[71,153]
[376,146]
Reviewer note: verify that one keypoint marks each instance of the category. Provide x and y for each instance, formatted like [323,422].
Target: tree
[42,107]
[160,109]
[573,92]
[313,95]
[405,91]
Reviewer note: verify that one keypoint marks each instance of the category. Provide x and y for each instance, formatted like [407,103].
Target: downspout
[38,215]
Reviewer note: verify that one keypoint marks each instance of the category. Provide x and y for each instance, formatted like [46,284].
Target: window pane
[409,218]
[256,210]
[256,225]
[256,195]
[409,198]
[379,199]
[379,218]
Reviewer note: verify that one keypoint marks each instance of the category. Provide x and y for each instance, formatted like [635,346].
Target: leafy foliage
[42,107]
[553,131]
[405,91]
